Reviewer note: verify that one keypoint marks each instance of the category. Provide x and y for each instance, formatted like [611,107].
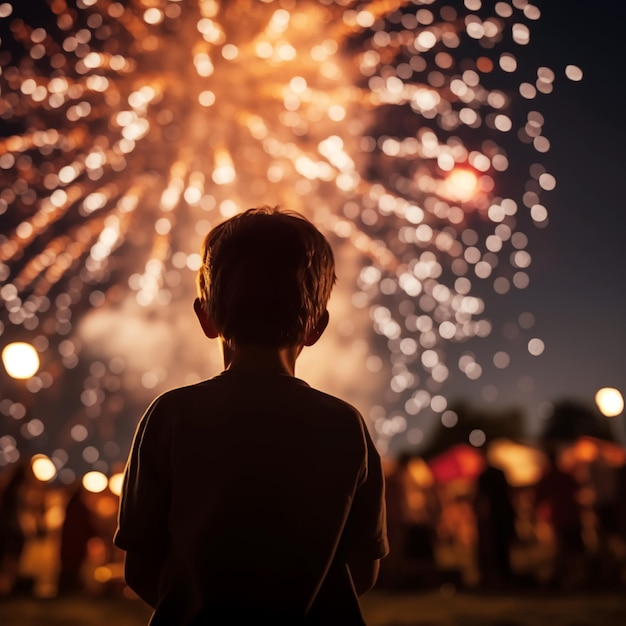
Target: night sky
[578,276]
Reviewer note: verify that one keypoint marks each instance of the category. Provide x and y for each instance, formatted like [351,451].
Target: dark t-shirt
[254,492]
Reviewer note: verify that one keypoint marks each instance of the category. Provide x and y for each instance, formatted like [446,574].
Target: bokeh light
[128,130]
[523,465]
[610,401]
[20,360]
[43,468]
[95,481]
[115,483]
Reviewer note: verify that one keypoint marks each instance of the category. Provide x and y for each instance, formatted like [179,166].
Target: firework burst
[130,128]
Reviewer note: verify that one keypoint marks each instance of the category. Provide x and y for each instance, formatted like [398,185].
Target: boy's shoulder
[275,415]
[258,392]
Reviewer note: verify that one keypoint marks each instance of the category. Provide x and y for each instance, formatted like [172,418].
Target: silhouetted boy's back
[251,497]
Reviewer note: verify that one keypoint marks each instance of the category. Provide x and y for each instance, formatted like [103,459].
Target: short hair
[266,277]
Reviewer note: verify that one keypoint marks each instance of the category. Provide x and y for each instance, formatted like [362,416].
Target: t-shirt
[255,491]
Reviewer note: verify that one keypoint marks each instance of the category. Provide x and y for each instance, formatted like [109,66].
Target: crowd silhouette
[565,530]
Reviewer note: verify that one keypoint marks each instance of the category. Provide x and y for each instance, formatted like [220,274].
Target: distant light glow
[449,419]
[102,574]
[115,483]
[20,360]
[95,482]
[523,465]
[420,473]
[610,401]
[460,185]
[477,438]
[43,468]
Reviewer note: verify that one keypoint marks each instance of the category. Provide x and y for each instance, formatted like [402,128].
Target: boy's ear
[317,331]
[208,327]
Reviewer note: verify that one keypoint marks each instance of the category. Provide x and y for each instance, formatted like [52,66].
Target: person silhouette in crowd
[557,502]
[394,568]
[12,535]
[78,528]
[495,521]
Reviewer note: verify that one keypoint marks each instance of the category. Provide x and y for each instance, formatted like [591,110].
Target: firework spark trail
[131,128]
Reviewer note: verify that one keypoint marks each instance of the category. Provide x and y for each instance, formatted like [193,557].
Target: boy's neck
[261,359]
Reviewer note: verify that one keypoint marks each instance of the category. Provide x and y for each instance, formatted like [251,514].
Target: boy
[251,498]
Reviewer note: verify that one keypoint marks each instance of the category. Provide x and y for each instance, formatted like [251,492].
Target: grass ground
[433,608]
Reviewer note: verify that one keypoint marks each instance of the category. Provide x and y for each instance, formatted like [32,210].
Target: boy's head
[266,278]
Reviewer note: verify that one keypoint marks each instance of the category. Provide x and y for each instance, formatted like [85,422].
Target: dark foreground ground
[381,609]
